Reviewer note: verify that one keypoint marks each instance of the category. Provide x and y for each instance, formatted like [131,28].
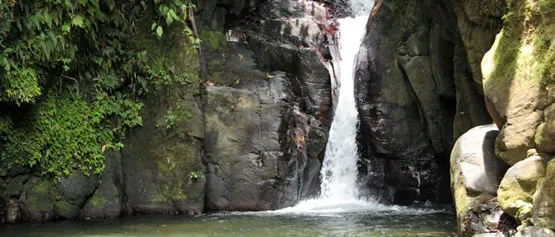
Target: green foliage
[177,115]
[194,175]
[22,87]
[76,71]
[63,136]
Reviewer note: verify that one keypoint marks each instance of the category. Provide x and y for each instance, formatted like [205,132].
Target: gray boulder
[475,174]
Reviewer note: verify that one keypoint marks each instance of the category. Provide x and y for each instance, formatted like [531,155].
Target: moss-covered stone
[66,210]
[543,210]
[519,185]
[545,133]
[518,73]
[39,200]
[215,39]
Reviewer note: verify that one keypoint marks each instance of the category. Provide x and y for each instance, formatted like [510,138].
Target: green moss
[215,39]
[64,207]
[174,167]
[97,200]
[43,188]
[523,49]
[170,193]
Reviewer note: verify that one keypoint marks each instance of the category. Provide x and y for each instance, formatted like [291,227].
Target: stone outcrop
[414,95]
[267,108]
[518,81]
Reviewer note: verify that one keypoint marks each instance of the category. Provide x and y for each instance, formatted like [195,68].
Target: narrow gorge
[277,118]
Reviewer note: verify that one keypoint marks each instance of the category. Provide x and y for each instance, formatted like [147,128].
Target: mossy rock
[66,210]
[543,210]
[545,133]
[38,204]
[519,185]
[159,158]
[216,40]
[518,73]
[103,204]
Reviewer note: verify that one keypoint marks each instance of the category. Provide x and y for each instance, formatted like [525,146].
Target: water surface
[377,221]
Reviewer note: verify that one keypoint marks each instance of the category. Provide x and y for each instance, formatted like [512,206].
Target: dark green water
[391,221]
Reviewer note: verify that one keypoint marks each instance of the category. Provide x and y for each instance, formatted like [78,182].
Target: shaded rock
[519,185]
[475,174]
[242,149]
[478,23]
[76,188]
[517,135]
[161,158]
[545,133]
[73,191]
[470,109]
[37,200]
[543,210]
[15,185]
[12,211]
[106,200]
[267,106]
[412,79]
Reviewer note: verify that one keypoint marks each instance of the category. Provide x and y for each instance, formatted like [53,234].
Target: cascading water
[339,170]
[339,191]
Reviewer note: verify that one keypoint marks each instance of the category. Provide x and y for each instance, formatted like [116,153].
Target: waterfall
[339,190]
[339,170]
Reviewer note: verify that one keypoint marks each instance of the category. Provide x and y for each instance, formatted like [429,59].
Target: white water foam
[339,190]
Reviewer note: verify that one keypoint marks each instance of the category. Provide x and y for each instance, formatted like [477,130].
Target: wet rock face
[411,81]
[267,107]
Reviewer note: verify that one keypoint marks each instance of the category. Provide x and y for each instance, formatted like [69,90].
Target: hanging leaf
[78,21]
[159,31]
[66,28]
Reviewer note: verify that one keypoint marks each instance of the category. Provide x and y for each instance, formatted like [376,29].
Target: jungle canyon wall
[254,134]
[415,93]
[251,138]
